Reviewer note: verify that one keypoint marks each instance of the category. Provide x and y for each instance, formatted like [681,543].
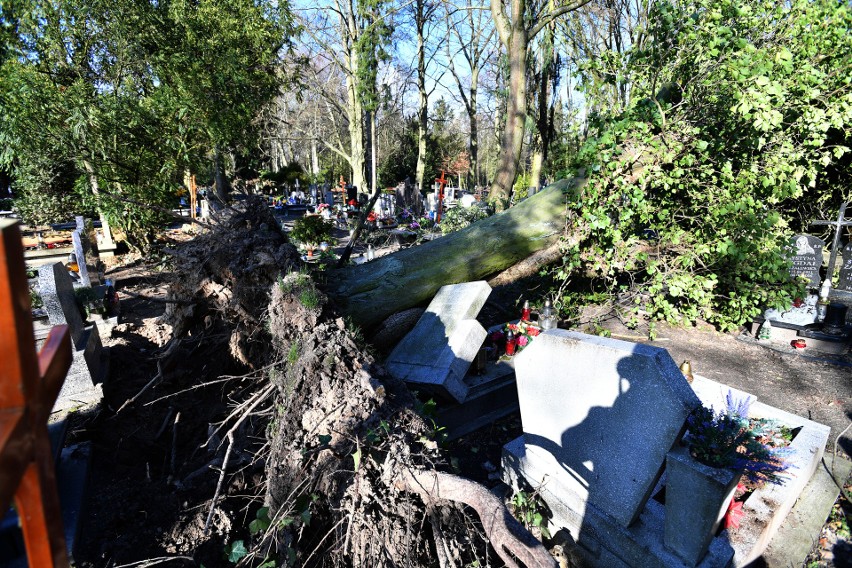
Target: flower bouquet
[728,439]
[513,337]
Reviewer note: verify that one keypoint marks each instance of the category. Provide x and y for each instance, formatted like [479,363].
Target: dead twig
[165,422]
[150,383]
[164,361]
[155,561]
[170,479]
[250,405]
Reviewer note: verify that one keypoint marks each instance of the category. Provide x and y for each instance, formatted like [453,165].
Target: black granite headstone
[806,258]
[845,281]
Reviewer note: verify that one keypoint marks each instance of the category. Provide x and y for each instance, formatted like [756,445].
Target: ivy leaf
[236,551]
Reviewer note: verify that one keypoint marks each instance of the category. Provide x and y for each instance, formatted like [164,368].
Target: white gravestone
[602,414]
[438,352]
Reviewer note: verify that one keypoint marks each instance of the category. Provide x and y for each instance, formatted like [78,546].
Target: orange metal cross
[29,385]
[442,181]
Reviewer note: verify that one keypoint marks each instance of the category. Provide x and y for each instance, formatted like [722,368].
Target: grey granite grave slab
[601,540]
[608,411]
[606,543]
[437,353]
[806,259]
[88,365]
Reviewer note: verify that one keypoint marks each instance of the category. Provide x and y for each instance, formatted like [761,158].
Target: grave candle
[510,343]
[546,318]
[525,313]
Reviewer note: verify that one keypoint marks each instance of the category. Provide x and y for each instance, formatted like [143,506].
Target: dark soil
[154,469]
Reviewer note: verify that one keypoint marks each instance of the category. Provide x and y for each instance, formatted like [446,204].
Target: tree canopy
[741,118]
[710,130]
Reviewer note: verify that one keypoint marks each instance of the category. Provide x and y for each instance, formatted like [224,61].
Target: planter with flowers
[703,474]
[310,232]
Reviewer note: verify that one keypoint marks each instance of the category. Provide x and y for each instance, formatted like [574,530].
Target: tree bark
[423,108]
[371,292]
[223,187]
[513,34]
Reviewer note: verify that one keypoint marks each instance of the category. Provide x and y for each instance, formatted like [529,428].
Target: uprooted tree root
[353,475]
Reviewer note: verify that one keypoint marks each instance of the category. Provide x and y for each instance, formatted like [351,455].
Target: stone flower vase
[697,498]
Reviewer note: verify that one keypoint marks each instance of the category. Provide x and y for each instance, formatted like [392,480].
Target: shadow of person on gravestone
[616,451]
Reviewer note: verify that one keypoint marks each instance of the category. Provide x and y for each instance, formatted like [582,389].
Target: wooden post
[193,194]
[29,385]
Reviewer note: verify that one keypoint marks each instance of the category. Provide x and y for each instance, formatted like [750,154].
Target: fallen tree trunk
[371,292]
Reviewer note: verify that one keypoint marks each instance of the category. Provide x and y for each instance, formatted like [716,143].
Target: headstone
[438,352]
[845,281]
[87,367]
[605,413]
[806,258]
[407,197]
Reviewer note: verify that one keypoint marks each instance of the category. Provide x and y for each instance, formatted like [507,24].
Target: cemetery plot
[600,417]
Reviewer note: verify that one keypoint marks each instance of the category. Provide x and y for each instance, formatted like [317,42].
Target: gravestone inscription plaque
[845,281]
[806,258]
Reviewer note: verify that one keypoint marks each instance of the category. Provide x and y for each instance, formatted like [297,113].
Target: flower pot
[697,497]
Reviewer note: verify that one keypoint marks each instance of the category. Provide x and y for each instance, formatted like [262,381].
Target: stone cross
[29,385]
[841,222]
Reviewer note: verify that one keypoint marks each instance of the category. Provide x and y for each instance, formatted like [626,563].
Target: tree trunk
[516,108]
[223,187]
[93,182]
[423,109]
[372,292]
[356,129]
[474,128]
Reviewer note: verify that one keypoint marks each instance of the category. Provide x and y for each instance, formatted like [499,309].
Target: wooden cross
[441,181]
[841,222]
[29,385]
[193,197]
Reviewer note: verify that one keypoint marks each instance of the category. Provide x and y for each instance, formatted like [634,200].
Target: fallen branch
[158,300]
[510,539]
[529,266]
[148,385]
